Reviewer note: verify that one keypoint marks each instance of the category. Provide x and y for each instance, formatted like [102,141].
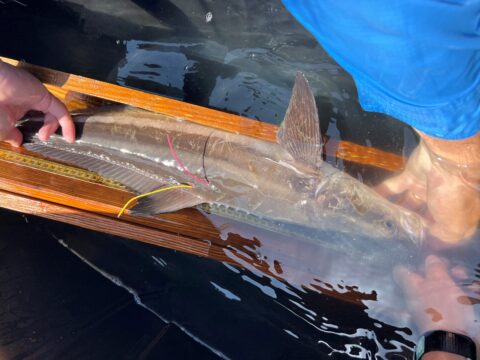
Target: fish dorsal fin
[300,130]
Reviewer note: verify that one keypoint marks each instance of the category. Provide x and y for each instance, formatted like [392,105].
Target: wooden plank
[107,201]
[199,247]
[89,196]
[94,205]
[92,221]
[151,102]
[72,89]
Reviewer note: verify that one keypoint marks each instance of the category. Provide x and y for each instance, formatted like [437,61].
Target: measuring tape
[57,168]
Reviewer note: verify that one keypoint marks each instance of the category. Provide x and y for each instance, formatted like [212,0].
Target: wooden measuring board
[40,187]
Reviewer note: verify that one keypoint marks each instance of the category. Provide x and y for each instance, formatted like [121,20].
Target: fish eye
[389,226]
[333,202]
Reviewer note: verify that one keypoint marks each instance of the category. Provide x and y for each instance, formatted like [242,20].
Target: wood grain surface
[94,206]
[79,92]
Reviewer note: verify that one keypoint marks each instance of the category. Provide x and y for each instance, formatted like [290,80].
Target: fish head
[360,210]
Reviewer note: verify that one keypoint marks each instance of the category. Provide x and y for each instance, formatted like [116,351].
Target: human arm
[21,92]
[409,63]
[444,177]
[439,355]
[436,302]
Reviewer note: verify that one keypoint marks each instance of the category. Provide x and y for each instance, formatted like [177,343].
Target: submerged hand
[444,183]
[436,302]
[21,92]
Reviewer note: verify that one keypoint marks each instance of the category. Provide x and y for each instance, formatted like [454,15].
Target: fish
[284,187]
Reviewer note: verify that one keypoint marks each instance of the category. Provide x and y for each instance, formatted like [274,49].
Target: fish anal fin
[300,133]
[166,201]
[82,156]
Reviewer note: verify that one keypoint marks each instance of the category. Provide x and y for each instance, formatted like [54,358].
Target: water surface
[65,288]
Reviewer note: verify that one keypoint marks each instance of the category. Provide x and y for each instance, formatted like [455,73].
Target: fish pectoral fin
[167,201]
[300,133]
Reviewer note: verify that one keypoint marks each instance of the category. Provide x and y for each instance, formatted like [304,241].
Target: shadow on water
[279,297]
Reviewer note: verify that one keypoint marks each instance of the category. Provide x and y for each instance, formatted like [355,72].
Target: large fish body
[283,186]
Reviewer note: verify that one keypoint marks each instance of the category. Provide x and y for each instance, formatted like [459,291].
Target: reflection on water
[277,304]
[261,306]
[278,297]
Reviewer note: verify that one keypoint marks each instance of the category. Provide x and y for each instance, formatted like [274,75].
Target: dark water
[69,293]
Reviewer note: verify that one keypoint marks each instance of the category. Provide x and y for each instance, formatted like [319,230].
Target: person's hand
[21,92]
[436,302]
[444,184]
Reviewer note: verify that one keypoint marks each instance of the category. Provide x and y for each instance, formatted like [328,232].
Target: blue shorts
[416,60]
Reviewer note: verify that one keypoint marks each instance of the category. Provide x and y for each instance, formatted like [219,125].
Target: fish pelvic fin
[167,201]
[300,133]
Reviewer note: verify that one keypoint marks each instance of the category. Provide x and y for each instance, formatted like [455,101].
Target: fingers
[442,233]
[8,132]
[475,287]
[67,125]
[412,201]
[395,185]
[459,272]
[50,125]
[22,92]
[14,137]
[436,269]
[405,192]
[413,193]
[56,114]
